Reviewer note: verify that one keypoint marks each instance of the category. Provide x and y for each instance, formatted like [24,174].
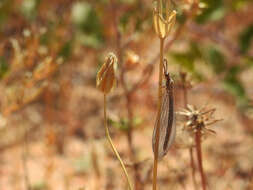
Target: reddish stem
[199,156]
[193,168]
[185,96]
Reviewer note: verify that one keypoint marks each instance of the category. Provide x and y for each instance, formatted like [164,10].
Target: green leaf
[135,16]
[215,10]
[216,60]
[245,39]
[248,60]
[123,123]
[80,13]
[124,20]
[195,50]
[3,67]
[137,121]
[238,4]
[29,8]
[181,16]
[48,34]
[66,50]
[89,40]
[86,20]
[234,86]
[186,60]
[5,9]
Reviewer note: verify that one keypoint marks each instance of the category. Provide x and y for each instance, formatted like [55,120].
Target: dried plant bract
[163,24]
[198,119]
[106,78]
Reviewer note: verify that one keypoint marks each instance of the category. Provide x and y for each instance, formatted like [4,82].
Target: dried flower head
[106,78]
[163,22]
[198,119]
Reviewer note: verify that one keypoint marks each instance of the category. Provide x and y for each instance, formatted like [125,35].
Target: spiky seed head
[198,119]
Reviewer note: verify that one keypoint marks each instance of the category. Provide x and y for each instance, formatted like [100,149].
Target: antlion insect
[167,117]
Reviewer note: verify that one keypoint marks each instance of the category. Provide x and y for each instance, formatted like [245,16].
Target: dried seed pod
[163,24]
[198,119]
[106,78]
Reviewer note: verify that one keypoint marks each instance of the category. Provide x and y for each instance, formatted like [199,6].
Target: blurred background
[51,120]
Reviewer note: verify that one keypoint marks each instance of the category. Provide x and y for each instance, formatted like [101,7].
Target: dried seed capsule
[106,78]
[163,24]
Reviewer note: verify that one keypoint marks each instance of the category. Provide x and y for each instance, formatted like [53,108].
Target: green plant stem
[158,115]
[199,155]
[113,147]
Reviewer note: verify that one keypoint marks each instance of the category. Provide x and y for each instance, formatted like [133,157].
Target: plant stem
[158,115]
[137,177]
[199,155]
[193,168]
[112,146]
[185,97]
[128,96]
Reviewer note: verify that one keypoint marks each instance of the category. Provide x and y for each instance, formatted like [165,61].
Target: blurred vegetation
[50,51]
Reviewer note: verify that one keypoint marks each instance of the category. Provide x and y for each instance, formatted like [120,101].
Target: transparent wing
[164,122]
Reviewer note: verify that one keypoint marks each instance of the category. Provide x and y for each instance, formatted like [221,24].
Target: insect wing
[164,120]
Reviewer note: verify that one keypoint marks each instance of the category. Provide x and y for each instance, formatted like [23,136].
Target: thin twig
[113,147]
[128,96]
[158,115]
[193,168]
[185,97]
[199,156]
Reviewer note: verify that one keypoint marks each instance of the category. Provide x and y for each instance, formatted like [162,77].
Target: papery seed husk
[106,78]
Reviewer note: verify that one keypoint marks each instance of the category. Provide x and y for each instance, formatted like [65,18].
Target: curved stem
[158,115]
[127,95]
[113,147]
